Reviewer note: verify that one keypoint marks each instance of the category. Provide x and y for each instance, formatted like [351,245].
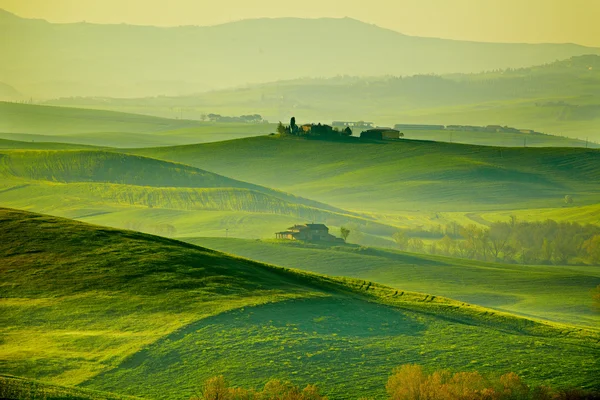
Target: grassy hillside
[554,293]
[404,175]
[135,192]
[17,388]
[29,122]
[568,213]
[108,167]
[6,144]
[137,314]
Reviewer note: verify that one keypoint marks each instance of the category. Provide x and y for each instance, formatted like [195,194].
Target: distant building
[308,232]
[494,128]
[417,127]
[381,134]
[353,124]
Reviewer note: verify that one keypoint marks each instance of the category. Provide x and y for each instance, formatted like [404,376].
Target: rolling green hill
[403,175]
[554,293]
[154,196]
[109,167]
[137,314]
[29,122]
[7,144]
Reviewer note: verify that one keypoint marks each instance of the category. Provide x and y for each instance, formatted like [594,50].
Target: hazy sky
[532,21]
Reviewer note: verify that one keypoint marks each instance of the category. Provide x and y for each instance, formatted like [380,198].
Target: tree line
[408,382]
[547,242]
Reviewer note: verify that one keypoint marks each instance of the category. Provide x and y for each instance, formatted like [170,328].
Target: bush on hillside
[217,388]
[410,382]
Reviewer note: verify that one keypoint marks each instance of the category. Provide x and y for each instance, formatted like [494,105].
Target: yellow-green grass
[403,175]
[126,191]
[589,214]
[556,293]
[18,388]
[109,167]
[136,314]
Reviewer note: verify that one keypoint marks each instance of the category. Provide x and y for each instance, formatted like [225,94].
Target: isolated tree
[447,244]
[592,249]
[347,131]
[416,245]
[281,128]
[406,382]
[499,237]
[568,199]
[344,232]
[400,239]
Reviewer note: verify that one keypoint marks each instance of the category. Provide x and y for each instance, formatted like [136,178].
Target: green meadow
[406,175]
[142,315]
[555,293]
[154,196]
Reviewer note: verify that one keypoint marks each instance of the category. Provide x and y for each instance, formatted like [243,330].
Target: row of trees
[408,382]
[547,242]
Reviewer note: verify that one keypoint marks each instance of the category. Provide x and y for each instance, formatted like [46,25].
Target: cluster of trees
[408,382]
[217,388]
[314,130]
[547,242]
[250,119]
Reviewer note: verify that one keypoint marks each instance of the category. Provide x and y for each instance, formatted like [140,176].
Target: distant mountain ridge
[82,59]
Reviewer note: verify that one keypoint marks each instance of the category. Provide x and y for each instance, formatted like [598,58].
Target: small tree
[400,239]
[568,199]
[281,128]
[347,131]
[344,232]
[293,126]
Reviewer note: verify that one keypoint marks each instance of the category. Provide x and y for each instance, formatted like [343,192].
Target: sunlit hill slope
[138,314]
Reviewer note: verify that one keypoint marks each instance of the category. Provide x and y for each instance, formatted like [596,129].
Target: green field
[142,315]
[17,388]
[7,144]
[556,293]
[154,196]
[26,122]
[504,139]
[407,175]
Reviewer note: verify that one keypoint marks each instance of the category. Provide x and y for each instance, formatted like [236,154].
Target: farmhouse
[308,232]
[380,134]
